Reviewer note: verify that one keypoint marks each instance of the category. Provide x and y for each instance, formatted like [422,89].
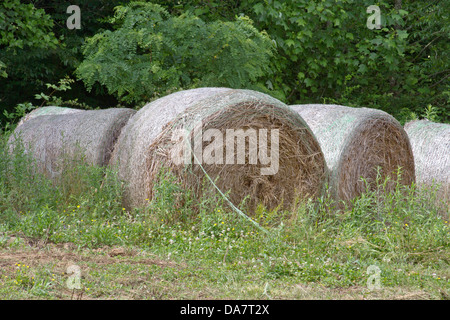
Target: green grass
[182,248]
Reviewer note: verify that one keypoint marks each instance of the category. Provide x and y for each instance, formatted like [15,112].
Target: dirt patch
[34,269]
[63,253]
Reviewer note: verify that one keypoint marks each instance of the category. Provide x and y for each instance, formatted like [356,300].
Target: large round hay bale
[430,143]
[355,142]
[53,139]
[46,111]
[163,130]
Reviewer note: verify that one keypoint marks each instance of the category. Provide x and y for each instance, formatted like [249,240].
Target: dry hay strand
[55,141]
[45,111]
[430,143]
[159,134]
[356,143]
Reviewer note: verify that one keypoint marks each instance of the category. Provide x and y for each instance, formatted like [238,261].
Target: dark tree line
[299,51]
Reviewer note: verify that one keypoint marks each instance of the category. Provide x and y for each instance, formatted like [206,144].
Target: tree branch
[435,84]
[429,43]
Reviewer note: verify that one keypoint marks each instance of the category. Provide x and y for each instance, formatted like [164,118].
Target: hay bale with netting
[53,139]
[46,111]
[357,141]
[171,132]
[430,143]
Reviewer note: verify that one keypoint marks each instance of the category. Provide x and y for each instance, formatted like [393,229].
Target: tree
[37,48]
[23,27]
[325,52]
[151,52]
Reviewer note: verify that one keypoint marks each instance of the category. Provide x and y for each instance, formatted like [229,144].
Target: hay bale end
[355,142]
[151,139]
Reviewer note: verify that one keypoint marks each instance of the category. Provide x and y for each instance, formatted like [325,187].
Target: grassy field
[76,241]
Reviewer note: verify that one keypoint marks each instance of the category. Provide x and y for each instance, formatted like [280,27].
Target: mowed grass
[385,245]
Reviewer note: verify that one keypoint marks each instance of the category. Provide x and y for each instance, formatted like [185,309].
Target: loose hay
[430,143]
[45,111]
[355,141]
[150,142]
[87,135]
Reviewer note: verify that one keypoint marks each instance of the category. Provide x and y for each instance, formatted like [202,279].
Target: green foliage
[21,27]
[20,189]
[25,33]
[39,61]
[21,110]
[26,37]
[431,113]
[321,51]
[151,53]
[324,49]
[2,70]
[207,10]
[63,85]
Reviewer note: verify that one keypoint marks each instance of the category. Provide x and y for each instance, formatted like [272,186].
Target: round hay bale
[161,133]
[355,141]
[45,111]
[89,136]
[430,143]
